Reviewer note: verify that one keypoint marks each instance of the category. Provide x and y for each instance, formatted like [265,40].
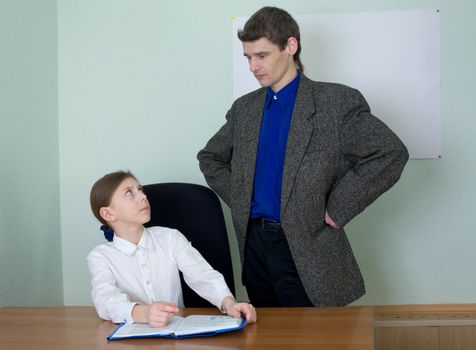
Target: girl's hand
[234,309]
[157,314]
[160,313]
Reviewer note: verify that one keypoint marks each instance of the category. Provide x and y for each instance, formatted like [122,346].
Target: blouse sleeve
[197,272]
[110,302]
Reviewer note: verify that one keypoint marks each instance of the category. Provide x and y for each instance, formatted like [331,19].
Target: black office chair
[195,211]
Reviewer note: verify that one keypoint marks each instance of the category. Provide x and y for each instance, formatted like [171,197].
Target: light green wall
[143,84]
[30,239]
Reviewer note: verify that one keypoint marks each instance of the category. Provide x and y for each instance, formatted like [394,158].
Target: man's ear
[107,214]
[292,45]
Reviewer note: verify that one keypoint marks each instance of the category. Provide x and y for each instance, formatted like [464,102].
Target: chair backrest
[196,212]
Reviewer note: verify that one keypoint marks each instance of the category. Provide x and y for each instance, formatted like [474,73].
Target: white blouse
[124,274]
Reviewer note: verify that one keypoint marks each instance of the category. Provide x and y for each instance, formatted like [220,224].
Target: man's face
[270,66]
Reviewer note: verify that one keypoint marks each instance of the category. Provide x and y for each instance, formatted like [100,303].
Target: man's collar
[286,94]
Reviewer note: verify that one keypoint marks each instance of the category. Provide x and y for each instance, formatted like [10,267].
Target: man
[295,161]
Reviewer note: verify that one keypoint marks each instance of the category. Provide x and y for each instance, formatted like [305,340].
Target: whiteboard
[392,58]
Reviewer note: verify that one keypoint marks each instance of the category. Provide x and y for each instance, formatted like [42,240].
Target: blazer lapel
[300,132]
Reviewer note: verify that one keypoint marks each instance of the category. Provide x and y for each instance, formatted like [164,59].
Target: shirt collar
[128,248]
[286,94]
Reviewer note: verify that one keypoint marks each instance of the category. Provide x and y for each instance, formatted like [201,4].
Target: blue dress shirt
[273,137]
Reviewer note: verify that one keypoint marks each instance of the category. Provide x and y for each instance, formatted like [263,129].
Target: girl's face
[129,205]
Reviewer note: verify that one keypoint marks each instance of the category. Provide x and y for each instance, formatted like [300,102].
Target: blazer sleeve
[215,160]
[374,158]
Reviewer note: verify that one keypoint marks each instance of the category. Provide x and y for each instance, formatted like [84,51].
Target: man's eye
[128,193]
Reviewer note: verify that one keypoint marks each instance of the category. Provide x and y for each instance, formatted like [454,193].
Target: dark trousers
[269,272]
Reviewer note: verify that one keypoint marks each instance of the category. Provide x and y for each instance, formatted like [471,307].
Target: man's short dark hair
[274,24]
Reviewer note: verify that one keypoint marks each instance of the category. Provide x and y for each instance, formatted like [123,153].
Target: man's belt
[267,225]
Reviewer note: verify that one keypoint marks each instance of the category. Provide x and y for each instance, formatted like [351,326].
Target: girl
[135,276]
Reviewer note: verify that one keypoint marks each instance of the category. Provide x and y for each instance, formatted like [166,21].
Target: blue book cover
[180,327]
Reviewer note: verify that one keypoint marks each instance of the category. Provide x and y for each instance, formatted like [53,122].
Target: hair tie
[108,232]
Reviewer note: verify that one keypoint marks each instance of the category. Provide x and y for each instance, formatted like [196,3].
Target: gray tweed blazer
[339,157]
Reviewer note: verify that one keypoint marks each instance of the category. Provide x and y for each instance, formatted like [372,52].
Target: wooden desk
[425,327]
[71,328]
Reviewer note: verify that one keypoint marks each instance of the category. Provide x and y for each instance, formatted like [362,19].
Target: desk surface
[73,328]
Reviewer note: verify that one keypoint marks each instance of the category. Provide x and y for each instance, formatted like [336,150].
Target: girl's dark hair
[277,26]
[104,188]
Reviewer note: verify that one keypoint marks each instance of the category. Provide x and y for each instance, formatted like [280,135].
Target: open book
[180,327]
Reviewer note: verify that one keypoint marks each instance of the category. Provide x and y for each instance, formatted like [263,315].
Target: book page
[143,329]
[207,323]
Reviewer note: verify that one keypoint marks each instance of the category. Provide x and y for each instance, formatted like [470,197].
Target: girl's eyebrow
[139,187]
